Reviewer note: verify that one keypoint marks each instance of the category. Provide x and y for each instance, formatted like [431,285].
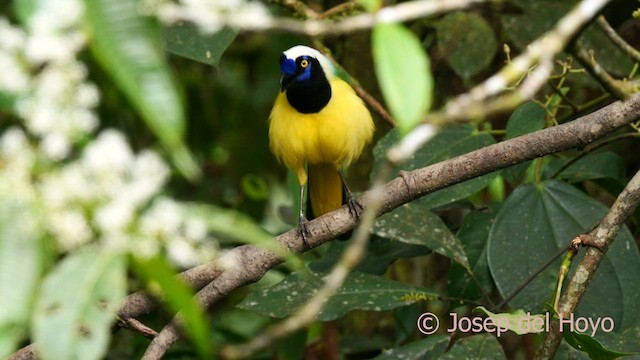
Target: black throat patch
[312,95]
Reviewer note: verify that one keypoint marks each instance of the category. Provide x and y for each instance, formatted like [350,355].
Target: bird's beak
[288,70]
[286,80]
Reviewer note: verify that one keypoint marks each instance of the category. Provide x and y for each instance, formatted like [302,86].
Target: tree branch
[622,44]
[603,236]
[250,263]
[619,89]
[401,12]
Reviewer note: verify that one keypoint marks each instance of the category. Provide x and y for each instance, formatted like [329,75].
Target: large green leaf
[451,141]
[21,263]
[177,297]
[430,348]
[413,223]
[78,303]
[527,118]
[128,47]
[483,346]
[473,234]
[467,42]
[402,68]
[360,291]
[536,221]
[186,40]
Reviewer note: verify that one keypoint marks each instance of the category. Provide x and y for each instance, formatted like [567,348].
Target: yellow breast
[336,135]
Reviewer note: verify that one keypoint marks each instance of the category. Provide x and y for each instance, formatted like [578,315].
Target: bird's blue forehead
[288,66]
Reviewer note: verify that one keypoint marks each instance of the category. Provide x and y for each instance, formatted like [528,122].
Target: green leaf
[381,253]
[128,48]
[598,165]
[536,221]
[527,118]
[592,347]
[483,346]
[473,234]
[360,291]
[21,265]
[467,42]
[414,224]
[403,72]
[187,41]
[78,303]
[178,297]
[517,321]
[451,141]
[432,347]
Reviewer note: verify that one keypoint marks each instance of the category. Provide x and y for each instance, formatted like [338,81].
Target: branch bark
[603,236]
[250,263]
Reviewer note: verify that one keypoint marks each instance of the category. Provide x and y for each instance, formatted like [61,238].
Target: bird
[317,126]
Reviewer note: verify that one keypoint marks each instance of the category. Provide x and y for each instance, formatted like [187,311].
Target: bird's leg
[355,208]
[302,220]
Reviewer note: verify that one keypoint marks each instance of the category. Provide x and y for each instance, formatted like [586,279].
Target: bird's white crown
[301,50]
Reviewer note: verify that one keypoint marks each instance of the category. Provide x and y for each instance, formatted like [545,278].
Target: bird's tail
[325,190]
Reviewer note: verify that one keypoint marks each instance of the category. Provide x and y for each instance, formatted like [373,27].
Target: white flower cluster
[103,192]
[56,101]
[212,15]
[115,185]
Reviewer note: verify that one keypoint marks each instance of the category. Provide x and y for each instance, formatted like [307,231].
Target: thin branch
[138,326]
[619,89]
[251,263]
[315,27]
[592,148]
[616,39]
[341,9]
[603,236]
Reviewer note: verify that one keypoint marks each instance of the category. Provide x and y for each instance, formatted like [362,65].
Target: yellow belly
[335,135]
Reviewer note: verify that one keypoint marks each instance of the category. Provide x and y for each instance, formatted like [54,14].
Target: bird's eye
[304,63]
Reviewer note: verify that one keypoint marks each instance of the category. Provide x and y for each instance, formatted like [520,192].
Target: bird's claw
[304,230]
[355,208]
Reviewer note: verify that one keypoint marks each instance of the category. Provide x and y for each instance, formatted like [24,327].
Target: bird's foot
[303,228]
[355,208]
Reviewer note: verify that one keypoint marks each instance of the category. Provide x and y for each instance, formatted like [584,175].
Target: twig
[138,326]
[341,9]
[619,89]
[531,277]
[298,7]
[315,27]
[591,149]
[603,236]
[622,44]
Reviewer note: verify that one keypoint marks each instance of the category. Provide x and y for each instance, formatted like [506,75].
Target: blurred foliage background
[221,87]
